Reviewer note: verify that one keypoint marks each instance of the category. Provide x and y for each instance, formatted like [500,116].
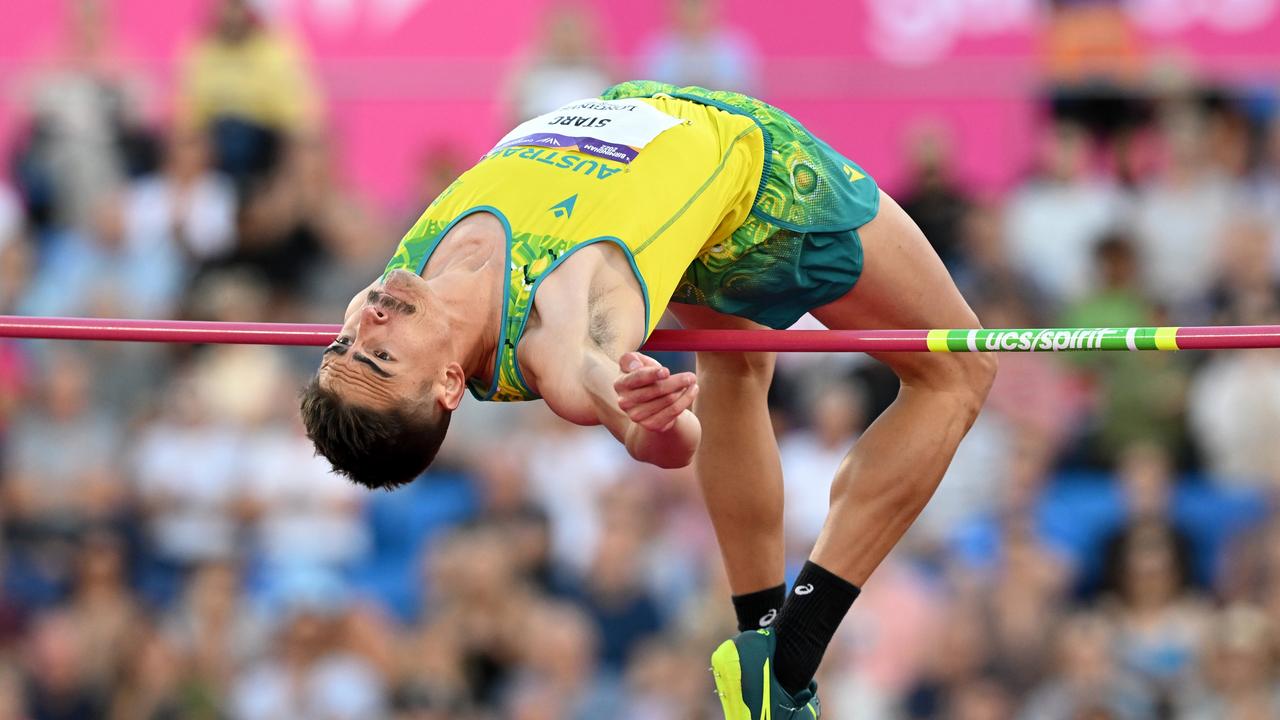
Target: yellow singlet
[687,188]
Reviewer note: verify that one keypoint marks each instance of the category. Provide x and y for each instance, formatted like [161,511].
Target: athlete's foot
[748,690]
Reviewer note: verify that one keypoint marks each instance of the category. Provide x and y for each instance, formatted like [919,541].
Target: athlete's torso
[688,187]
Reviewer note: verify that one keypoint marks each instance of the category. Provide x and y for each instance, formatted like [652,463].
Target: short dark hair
[374,448]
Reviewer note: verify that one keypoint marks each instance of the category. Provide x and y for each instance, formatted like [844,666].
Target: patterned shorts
[799,248]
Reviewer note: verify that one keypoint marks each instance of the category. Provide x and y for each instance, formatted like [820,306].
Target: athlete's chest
[592,297]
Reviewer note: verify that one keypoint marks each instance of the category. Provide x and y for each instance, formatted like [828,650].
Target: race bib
[609,129]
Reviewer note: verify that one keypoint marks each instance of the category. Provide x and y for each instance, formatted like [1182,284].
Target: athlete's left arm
[642,403]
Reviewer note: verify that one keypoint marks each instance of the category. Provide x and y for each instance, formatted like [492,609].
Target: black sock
[807,622]
[760,608]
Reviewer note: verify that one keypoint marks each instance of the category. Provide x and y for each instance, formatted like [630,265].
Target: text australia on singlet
[612,132]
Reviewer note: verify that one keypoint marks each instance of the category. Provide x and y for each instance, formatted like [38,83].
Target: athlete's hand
[650,395]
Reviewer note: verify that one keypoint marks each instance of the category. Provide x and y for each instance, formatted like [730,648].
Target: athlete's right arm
[644,405]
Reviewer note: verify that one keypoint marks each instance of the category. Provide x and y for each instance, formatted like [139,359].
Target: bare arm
[638,400]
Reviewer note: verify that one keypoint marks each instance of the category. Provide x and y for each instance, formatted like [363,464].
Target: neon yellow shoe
[743,670]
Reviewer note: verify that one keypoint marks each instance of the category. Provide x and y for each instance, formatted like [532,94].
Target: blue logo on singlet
[564,208]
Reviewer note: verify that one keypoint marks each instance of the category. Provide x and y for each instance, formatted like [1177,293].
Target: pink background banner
[403,76]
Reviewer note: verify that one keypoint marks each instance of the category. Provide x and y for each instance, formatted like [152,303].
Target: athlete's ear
[455,384]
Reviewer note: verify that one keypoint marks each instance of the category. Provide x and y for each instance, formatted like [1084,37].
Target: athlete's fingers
[656,414]
[635,396]
[632,361]
[642,412]
[640,378]
[665,419]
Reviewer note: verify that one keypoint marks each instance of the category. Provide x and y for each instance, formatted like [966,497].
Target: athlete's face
[389,350]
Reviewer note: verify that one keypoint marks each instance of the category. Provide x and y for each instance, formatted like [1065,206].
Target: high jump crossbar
[1225,337]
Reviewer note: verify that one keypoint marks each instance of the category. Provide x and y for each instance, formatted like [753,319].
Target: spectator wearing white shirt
[187,472]
[565,65]
[1053,221]
[11,219]
[1179,218]
[810,458]
[302,512]
[187,206]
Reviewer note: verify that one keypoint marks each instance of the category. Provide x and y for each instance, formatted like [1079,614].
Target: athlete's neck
[467,272]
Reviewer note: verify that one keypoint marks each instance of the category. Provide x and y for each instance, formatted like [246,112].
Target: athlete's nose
[373,314]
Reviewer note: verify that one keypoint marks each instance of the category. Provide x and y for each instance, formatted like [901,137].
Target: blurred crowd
[1103,548]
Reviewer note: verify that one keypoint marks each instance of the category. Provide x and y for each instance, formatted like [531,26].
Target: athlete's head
[379,406]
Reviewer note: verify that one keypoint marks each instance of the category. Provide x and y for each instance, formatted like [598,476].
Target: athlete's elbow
[668,462]
[669,450]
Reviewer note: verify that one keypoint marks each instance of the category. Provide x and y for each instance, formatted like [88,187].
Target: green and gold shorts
[799,248]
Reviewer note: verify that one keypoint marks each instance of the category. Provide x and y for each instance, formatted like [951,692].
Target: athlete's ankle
[808,620]
[759,609]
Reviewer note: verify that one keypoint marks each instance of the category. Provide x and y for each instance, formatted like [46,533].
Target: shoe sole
[726,667]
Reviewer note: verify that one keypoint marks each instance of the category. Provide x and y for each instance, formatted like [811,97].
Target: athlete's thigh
[903,285]
[757,365]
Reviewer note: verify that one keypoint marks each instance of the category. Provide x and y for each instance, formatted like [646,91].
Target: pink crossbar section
[183,331]
[1229,337]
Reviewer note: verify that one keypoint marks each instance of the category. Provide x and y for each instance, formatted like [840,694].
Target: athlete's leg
[893,470]
[737,462]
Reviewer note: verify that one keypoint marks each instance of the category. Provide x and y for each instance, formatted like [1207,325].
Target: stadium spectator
[57,485]
[98,272]
[962,652]
[431,678]
[564,64]
[557,659]
[698,48]
[246,84]
[934,198]
[1090,684]
[11,216]
[578,466]
[1175,213]
[1053,220]
[190,509]
[614,592]
[810,458]
[215,631]
[57,686]
[987,271]
[1115,298]
[311,671]
[1235,417]
[103,608]
[186,207]
[86,133]
[301,512]
[1158,623]
[1239,669]
[151,682]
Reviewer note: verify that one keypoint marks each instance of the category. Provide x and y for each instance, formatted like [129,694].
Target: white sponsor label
[611,129]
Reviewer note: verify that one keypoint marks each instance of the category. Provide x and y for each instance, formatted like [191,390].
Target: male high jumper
[538,273]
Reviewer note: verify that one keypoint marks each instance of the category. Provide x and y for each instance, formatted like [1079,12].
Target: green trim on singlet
[724,160]
[533,291]
[765,135]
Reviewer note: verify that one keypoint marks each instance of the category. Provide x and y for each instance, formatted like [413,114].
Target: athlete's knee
[964,379]
[970,381]
[741,367]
